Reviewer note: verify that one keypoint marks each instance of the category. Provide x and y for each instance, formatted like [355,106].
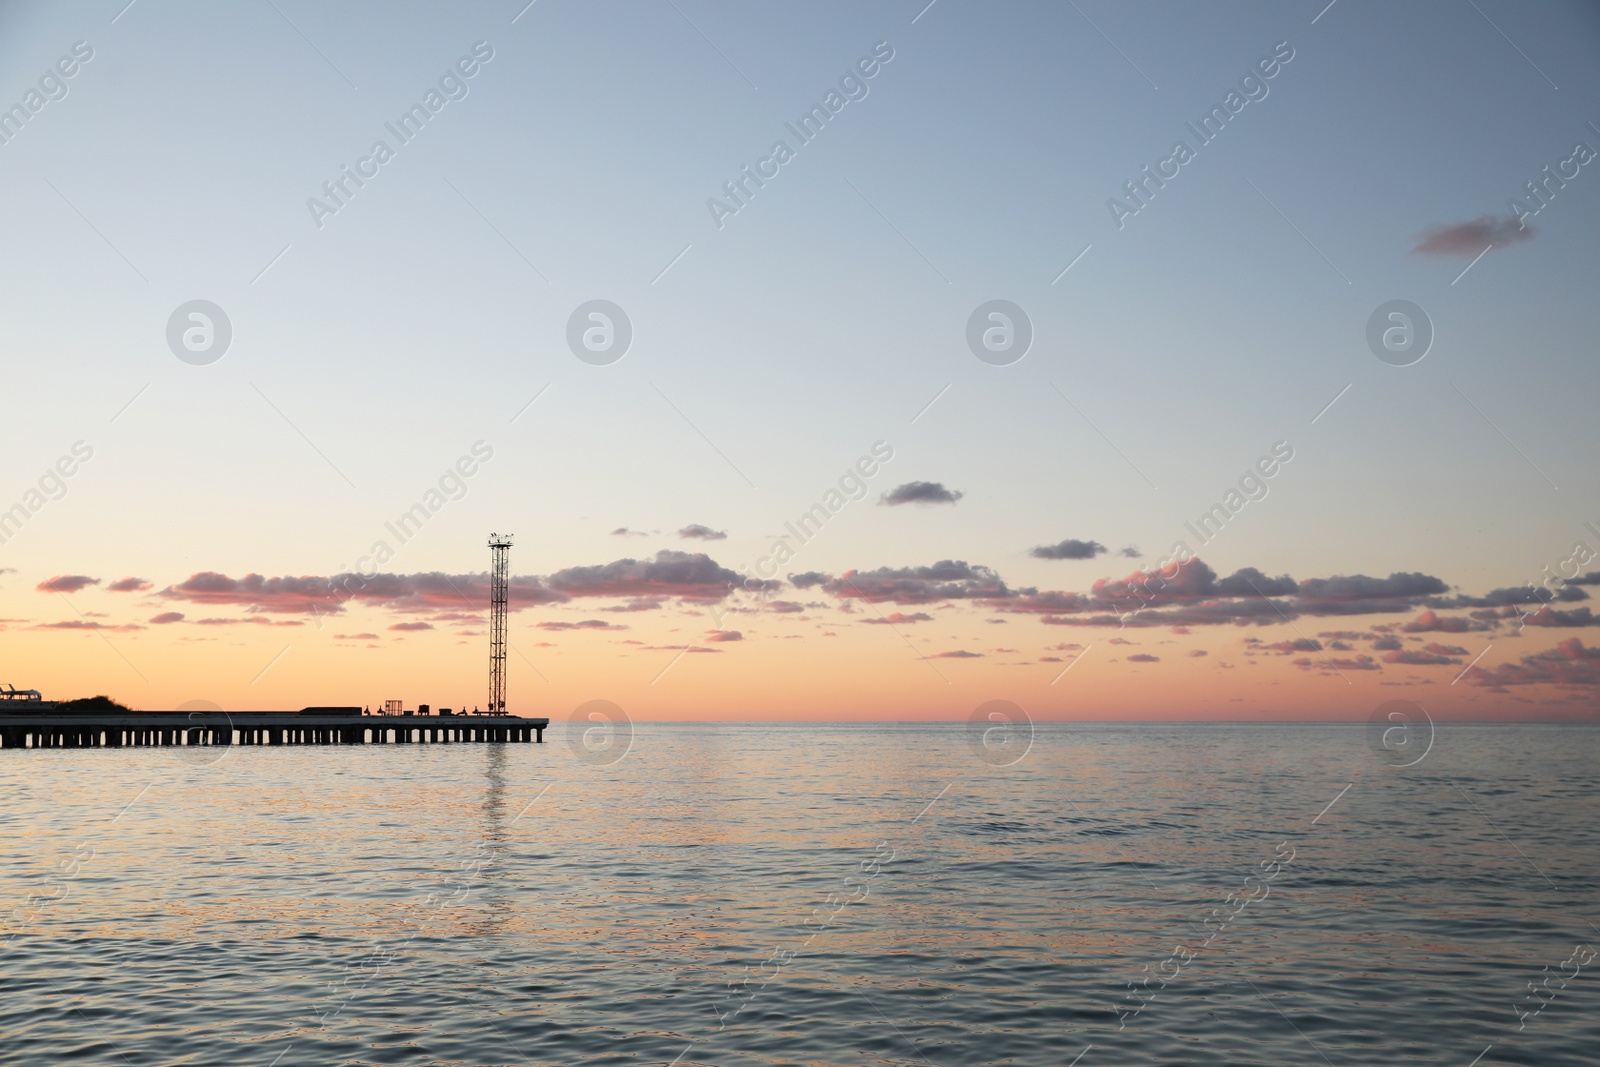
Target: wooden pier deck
[155,728]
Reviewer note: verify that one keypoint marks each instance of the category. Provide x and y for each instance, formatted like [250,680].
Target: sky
[398,219]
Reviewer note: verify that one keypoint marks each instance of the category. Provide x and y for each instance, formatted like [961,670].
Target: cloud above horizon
[66,583]
[1070,549]
[85,624]
[695,531]
[949,579]
[691,576]
[920,493]
[1179,596]
[128,585]
[687,575]
[895,618]
[1568,664]
[1471,238]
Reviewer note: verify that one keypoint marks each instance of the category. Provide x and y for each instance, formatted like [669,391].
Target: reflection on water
[810,895]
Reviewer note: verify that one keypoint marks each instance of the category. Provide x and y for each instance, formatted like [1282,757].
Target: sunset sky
[208,527]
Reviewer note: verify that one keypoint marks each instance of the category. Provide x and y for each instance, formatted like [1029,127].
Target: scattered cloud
[623,531]
[949,579]
[1432,622]
[356,637]
[253,620]
[1358,594]
[1470,238]
[1556,617]
[1417,658]
[1567,664]
[66,583]
[724,635]
[586,624]
[84,624]
[1497,598]
[1359,663]
[959,653]
[1143,657]
[1069,549]
[690,575]
[167,617]
[409,627]
[920,493]
[694,531]
[895,618]
[128,585]
[651,603]
[1287,648]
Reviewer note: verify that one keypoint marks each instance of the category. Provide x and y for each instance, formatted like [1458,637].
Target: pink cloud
[1548,616]
[895,618]
[128,585]
[313,595]
[254,620]
[167,617]
[1567,664]
[1471,238]
[1432,622]
[66,583]
[82,624]
[1359,663]
[1413,657]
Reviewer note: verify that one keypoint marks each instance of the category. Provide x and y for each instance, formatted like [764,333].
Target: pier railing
[212,728]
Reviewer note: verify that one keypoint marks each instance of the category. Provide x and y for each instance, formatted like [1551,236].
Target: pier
[139,729]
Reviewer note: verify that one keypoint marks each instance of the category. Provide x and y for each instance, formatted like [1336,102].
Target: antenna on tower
[498,585]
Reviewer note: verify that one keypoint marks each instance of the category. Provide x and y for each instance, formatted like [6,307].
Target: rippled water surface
[799,894]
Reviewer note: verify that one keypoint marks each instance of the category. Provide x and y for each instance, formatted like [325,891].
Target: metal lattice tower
[498,585]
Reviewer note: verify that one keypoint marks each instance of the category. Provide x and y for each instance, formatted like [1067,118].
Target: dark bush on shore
[92,704]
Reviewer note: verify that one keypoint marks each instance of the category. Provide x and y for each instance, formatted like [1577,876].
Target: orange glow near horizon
[824,665]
